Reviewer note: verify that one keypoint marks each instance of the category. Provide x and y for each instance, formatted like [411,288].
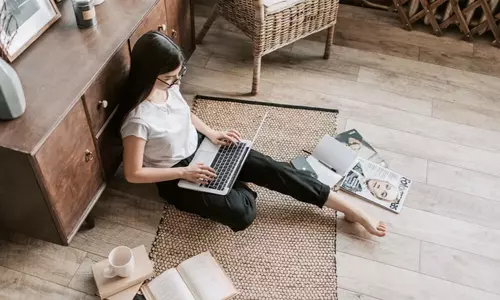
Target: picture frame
[22,22]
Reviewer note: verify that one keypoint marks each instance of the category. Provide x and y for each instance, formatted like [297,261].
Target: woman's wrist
[181,172]
[210,132]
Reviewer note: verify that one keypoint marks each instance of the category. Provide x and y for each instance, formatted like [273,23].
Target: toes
[381,229]
[378,232]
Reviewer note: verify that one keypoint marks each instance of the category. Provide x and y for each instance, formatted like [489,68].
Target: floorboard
[457,266]
[465,181]
[19,286]
[456,205]
[83,280]
[424,147]
[396,250]
[391,283]
[486,117]
[45,260]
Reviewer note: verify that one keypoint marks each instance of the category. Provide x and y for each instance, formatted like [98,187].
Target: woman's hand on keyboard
[198,173]
[225,138]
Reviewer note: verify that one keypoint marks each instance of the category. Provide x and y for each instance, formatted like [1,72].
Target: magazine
[376,184]
[353,139]
[337,165]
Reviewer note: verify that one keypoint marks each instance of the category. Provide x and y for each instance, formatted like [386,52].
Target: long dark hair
[153,54]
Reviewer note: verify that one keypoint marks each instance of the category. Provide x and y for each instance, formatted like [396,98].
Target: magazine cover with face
[377,184]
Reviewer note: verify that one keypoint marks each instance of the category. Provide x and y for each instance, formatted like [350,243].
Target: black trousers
[237,209]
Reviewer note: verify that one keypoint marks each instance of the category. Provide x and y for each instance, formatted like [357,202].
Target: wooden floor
[430,105]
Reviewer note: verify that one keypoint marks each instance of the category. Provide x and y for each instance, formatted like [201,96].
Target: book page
[334,154]
[205,278]
[168,286]
[325,175]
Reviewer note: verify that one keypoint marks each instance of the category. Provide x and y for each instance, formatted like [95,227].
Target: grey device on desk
[300,163]
[12,102]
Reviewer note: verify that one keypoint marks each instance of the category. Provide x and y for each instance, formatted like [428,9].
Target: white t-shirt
[167,129]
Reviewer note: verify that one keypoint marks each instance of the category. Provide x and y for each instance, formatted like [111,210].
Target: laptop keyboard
[227,159]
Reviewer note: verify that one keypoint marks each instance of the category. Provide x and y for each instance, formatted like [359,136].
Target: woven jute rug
[289,250]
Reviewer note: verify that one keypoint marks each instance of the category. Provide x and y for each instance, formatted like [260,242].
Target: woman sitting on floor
[160,137]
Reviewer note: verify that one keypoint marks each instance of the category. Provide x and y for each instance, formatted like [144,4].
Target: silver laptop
[227,162]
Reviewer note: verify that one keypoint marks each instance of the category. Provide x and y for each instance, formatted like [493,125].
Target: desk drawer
[101,98]
[70,170]
[180,23]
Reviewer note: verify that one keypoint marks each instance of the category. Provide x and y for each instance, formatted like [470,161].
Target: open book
[353,139]
[197,278]
[338,165]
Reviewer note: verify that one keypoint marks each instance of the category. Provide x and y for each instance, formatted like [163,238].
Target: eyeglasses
[177,78]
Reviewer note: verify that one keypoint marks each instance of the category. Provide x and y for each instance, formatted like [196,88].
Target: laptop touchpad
[203,157]
[208,146]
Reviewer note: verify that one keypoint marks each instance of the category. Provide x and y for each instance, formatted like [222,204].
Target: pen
[324,164]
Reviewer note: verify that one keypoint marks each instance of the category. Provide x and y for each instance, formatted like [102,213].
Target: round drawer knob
[88,155]
[103,103]
[174,33]
[162,27]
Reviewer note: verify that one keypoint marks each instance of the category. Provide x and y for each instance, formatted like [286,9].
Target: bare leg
[262,170]
[354,214]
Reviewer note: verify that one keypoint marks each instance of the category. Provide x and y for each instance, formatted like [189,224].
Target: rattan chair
[272,24]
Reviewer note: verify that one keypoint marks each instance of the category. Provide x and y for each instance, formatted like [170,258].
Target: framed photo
[22,22]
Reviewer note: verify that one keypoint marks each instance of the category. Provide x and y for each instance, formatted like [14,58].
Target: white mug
[121,262]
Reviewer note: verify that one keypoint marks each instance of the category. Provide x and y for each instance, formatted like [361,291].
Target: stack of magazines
[350,163]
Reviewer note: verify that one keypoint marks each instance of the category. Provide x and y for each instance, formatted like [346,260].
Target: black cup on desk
[85,13]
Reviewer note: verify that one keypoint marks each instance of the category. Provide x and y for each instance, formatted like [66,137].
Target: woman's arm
[133,151]
[201,126]
[135,173]
[217,137]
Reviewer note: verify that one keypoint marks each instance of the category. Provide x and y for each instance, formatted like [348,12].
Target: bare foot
[374,227]
[353,214]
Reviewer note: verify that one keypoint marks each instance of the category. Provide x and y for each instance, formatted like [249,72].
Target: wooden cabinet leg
[89,222]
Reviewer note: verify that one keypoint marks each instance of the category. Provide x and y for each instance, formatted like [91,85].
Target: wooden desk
[55,159]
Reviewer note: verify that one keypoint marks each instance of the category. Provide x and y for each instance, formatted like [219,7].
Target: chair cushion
[273,6]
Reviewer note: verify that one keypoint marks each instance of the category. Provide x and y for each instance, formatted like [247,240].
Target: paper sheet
[334,154]
[325,175]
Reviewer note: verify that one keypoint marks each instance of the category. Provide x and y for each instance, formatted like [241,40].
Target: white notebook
[197,278]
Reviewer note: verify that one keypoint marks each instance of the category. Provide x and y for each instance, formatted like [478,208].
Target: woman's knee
[257,158]
[243,209]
